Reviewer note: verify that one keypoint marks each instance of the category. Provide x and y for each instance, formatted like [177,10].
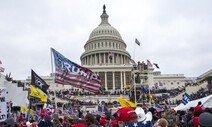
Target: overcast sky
[176,34]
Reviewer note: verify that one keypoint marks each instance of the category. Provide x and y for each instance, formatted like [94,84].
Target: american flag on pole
[138,124]
[149,63]
[70,73]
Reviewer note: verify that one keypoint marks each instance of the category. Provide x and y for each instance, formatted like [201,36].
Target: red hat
[198,109]
[103,122]
[114,122]
[79,125]
[21,118]
[126,114]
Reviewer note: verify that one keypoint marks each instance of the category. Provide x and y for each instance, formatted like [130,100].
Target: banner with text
[3,104]
[70,73]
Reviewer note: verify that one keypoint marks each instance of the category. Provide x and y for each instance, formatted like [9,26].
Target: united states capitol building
[105,54]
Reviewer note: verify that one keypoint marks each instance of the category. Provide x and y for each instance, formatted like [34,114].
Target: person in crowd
[205,119]
[154,114]
[126,115]
[189,114]
[104,122]
[162,122]
[45,122]
[172,120]
[194,122]
[91,120]
[8,123]
[181,122]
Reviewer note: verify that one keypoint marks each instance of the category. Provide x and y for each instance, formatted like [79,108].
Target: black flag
[156,65]
[39,82]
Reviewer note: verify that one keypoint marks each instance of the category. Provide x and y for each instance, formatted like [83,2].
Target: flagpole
[53,75]
[134,52]
[28,118]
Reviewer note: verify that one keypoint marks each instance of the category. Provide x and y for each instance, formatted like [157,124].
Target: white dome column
[100,60]
[106,80]
[104,59]
[90,59]
[114,80]
[117,61]
[121,79]
[113,58]
[95,59]
[124,78]
[122,59]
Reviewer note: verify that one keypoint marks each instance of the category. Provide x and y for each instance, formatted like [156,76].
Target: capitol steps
[189,90]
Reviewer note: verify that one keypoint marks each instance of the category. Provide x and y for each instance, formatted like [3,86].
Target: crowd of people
[71,114]
[159,95]
[197,116]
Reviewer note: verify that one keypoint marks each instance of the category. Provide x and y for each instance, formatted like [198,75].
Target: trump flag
[70,73]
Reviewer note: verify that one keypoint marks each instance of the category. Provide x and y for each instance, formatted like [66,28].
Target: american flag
[70,73]
[132,62]
[158,107]
[139,124]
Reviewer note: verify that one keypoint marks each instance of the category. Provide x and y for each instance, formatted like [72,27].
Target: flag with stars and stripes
[70,73]
[139,124]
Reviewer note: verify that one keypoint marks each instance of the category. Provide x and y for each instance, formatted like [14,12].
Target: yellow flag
[24,109]
[32,112]
[126,103]
[38,93]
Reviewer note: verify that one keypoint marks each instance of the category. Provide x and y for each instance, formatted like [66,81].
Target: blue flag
[156,65]
[144,89]
[186,99]
[137,42]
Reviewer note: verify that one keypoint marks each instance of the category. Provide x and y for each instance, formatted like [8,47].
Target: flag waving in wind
[137,42]
[70,73]
[39,82]
[156,65]
[149,63]
[186,99]
[38,94]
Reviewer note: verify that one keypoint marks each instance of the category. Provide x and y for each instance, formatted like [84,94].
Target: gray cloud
[175,34]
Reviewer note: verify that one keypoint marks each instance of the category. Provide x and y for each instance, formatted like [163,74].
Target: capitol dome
[105,53]
[105,45]
[104,28]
